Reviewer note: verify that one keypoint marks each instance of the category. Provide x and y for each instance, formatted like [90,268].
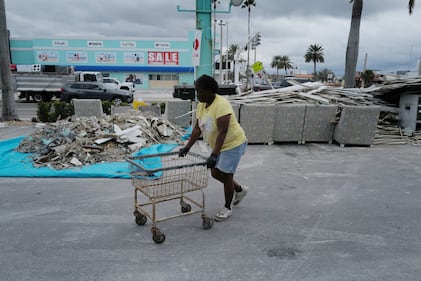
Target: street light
[221,23]
[247,4]
[226,54]
[254,43]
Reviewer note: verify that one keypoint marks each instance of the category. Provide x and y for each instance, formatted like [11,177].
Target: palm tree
[353,41]
[411,6]
[9,111]
[314,54]
[276,63]
[248,4]
[279,62]
[232,50]
[352,48]
[286,63]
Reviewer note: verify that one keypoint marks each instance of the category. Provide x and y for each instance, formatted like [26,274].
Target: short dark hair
[206,82]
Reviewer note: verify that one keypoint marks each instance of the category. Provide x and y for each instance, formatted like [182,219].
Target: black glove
[211,161]
[183,152]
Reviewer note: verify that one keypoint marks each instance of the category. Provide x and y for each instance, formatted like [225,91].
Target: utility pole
[203,22]
[8,98]
[221,78]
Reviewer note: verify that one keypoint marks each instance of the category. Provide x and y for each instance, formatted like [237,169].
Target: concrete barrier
[288,123]
[176,112]
[154,109]
[319,123]
[88,107]
[236,107]
[258,122]
[120,109]
[357,125]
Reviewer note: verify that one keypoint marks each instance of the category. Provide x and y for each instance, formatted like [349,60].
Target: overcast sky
[389,35]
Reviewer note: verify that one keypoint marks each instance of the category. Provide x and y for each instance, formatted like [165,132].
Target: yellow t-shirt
[207,123]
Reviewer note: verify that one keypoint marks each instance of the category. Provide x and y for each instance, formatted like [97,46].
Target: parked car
[278,84]
[94,90]
[117,84]
[275,85]
[188,92]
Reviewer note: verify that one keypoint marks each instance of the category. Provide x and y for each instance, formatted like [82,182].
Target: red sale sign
[163,58]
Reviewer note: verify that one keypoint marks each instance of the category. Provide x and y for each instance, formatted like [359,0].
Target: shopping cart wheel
[185,208]
[207,223]
[140,219]
[157,236]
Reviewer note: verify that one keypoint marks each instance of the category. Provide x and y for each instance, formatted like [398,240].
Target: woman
[217,124]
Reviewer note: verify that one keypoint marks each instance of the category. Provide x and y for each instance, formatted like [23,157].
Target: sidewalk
[314,212]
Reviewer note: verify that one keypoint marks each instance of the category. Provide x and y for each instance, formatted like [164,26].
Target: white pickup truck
[115,83]
[42,86]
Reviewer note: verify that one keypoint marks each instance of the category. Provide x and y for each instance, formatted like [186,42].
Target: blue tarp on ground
[16,164]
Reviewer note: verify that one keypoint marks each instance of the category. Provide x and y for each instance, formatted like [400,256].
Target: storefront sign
[77,57]
[195,56]
[60,43]
[134,57]
[128,44]
[163,58]
[162,45]
[95,44]
[47,56]
[105,57]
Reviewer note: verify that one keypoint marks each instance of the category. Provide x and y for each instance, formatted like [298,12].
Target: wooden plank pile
[311,92]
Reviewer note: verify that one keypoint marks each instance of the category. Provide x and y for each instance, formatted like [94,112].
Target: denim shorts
[228,160]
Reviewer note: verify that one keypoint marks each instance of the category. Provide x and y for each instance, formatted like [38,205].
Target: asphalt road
[314,212]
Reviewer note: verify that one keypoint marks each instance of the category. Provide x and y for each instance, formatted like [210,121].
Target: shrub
[56,110]
[53,111]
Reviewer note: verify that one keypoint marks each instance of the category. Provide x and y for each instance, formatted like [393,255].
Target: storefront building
[150,63]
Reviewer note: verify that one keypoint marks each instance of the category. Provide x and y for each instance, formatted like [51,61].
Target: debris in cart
[79,141]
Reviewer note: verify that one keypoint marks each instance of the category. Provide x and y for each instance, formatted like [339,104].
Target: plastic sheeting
[16,164]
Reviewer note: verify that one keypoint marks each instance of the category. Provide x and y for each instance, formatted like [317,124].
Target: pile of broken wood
[78,141]
[388,131]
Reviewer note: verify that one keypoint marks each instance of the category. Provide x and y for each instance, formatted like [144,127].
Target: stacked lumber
[311,92]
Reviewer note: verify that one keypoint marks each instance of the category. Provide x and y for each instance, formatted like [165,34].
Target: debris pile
[386,96]
[78,141]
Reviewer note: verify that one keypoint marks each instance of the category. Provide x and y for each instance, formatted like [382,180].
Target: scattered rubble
[78,141]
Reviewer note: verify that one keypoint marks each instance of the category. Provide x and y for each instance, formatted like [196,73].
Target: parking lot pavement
[313,212]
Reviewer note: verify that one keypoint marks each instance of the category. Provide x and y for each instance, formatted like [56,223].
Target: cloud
[389,35]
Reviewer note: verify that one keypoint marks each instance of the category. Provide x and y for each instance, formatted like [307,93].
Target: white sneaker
[223,214]
[238,196]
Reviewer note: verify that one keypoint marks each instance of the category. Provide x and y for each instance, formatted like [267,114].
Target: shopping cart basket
[163,177]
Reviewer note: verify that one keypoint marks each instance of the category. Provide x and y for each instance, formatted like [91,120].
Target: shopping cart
[164,177]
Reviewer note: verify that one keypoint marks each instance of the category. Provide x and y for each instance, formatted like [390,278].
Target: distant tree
[352,48]
[279,62]
[286,63]
[411,6]
[232,49]
[9,111]
[314,54]
[248,4]
[368,77]
[276,63]
[324,75]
